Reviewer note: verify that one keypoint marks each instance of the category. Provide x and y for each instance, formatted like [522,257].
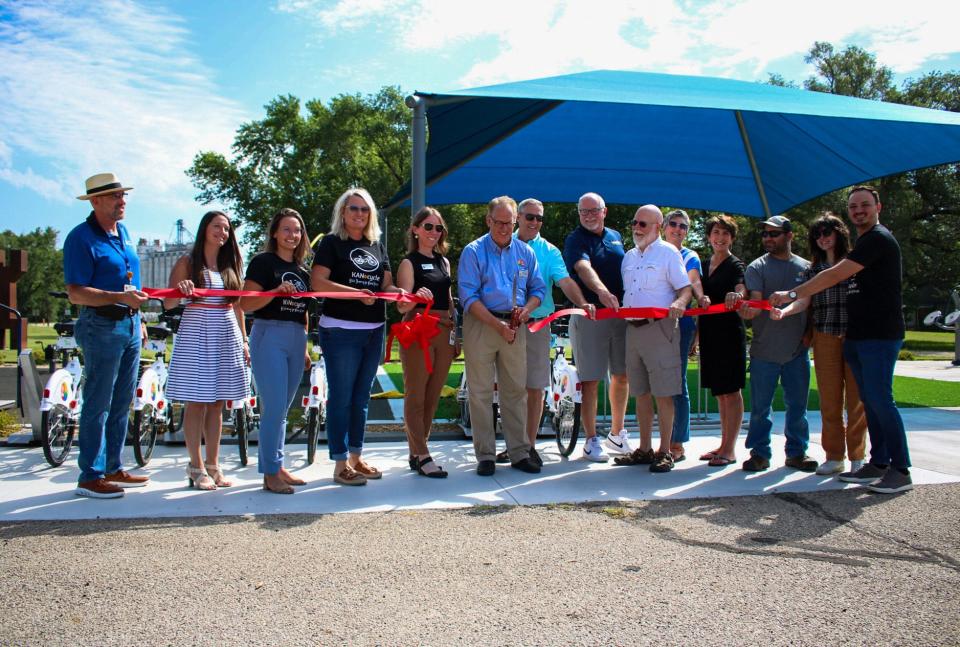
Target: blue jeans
[872,361]
[681,402]
[277,350]
[795,377]
[111,356]
[352,358]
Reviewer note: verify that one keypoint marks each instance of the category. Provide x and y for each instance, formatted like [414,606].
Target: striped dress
[207,363]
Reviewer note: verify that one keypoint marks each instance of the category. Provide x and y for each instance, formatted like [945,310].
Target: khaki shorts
[598,347]
[653,358]
[538,358]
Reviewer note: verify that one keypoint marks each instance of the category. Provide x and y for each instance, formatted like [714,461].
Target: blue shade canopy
[681,141]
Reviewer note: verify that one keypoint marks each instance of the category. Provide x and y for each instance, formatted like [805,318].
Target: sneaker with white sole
[892,482]
[593,451]
[868,473]
[829,468]
[618,443]
[98,489]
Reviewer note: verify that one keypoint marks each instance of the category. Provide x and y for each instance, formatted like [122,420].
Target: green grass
[929,341]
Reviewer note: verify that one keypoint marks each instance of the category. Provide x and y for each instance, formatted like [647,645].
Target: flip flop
[709,456]
[721,461]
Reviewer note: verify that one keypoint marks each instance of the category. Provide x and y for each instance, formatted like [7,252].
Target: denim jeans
[795,377]
[872,361]
[111,356]
[681,402]
[352,358]
[277,351]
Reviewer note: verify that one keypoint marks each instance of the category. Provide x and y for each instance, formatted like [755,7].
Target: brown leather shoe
[126,479]
[367,470]
[98,489]
[349,476]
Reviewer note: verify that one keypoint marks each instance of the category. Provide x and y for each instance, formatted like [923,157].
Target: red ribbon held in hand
[644,313]
[419,330]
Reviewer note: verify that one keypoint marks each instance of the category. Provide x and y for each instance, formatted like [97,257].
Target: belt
[506,316]
[637,323]
[114,312]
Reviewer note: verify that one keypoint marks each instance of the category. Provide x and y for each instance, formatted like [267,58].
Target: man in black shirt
[875,332]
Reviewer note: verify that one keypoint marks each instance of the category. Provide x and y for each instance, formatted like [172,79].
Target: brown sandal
[284,489]
[289,478]
[349,476]
[367,470]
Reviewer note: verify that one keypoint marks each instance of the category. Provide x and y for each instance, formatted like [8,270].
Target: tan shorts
[538,358]
[653,358]
[598,347]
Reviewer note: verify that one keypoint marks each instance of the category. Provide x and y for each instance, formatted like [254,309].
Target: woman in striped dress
[209,359]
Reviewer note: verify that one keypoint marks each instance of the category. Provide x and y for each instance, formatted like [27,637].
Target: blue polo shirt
[691,261]
[487,273]
[552,270]
[605,253]
[95,259]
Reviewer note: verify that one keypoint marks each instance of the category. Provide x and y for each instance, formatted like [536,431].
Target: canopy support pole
[753,164]
[418,170]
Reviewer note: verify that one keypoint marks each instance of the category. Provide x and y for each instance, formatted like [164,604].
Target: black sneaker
[756,464]
[535,458]
[803,463]
[662,462]
[486,468]
[866,474]
[503,457]
[526,465]
[892,482]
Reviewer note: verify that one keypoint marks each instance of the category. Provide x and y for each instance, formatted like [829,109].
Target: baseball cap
[780,222]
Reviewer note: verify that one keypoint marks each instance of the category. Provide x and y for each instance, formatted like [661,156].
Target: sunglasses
[675,224]
[355,208]
[533,216]
[429,226]
[820,233]
[771,234]
[639,223]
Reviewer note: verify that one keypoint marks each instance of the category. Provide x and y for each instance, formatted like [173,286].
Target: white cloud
[105,86]
[739,38]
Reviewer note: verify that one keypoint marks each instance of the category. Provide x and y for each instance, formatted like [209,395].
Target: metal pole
[753,163]
[418,170]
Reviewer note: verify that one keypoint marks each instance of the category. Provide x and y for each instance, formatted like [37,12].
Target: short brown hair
[724,222]
[869,189]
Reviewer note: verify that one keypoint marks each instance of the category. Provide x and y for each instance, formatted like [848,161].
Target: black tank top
[431,272]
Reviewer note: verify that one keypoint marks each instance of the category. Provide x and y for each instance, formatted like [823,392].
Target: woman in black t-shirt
[351,259]
[278,340]
[426,271]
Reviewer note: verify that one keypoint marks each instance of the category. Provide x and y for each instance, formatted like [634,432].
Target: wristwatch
[792,294]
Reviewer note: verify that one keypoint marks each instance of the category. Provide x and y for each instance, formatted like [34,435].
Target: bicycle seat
[64,328]
[158,332]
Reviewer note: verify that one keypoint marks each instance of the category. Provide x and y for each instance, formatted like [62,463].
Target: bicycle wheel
[313,435]
[57,429]
[566,424]
[144,429]
[241,427]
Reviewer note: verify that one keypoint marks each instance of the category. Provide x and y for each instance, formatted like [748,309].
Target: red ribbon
[174,293]
[419,330]
[643,313]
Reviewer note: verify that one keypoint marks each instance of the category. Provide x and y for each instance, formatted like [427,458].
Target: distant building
[157,260]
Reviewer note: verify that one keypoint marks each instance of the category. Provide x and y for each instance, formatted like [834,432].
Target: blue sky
[138,88]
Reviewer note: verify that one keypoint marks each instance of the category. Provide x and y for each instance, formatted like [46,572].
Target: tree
[44,272]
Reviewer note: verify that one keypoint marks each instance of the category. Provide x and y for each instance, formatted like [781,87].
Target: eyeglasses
[429,226]
[639,223]
[355,208]
[591,212]
[533,216]
[820,233]
[675,224]
[502,223]
[119,195]
[771,234]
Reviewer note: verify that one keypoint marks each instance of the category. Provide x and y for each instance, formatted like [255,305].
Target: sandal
[289,478]
[436,474]
[217,475]
[197,477]
[412,462]
[284,488]
[349,476]
[367,470]
[709,456]
[636,457]
[721,461]
[677,457]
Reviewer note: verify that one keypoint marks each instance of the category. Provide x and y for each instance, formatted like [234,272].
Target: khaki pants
[421,390]
[487,358]
[834,379]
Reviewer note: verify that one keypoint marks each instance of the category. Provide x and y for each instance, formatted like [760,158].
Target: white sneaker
[618,443]
[855,465]
[592,451]
[828,468]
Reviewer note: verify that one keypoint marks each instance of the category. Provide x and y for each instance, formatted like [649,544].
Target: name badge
[427,266]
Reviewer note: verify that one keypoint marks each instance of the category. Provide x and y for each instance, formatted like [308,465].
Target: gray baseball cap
[780,222]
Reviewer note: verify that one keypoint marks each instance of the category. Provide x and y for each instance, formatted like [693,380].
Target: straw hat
[102,183]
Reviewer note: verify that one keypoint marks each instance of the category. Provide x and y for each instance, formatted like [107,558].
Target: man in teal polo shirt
[102,273]
[553,271]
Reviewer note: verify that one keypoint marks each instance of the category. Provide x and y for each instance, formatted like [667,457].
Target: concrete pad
[31,490]
[927,369]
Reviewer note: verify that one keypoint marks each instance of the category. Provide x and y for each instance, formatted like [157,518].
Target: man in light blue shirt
[496,274]
[553,270]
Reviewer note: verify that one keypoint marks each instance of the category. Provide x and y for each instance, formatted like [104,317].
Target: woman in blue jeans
[351,258]
[278,340]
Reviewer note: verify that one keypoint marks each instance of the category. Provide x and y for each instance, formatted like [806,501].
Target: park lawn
[929,341]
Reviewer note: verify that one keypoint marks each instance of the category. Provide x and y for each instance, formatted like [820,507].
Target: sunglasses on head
[676,223]
[771,234]
[533,216]
[429,226]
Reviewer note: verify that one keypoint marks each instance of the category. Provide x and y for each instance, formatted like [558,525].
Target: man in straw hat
[102,273]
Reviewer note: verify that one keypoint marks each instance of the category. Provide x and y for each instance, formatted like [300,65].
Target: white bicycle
[151,411]
[62,396]
[314,405]
[563,398]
